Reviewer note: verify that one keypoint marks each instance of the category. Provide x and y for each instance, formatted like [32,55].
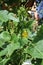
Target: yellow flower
[25,34]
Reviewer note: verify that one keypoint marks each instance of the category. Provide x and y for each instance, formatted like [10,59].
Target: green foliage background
[18,41]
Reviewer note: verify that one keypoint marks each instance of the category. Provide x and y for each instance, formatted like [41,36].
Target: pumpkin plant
[18,42]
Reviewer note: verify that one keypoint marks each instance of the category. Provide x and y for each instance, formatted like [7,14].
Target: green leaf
[1,42]
[3,52]
[4,61]
[42,62]
[36,51]
[5,36]
[14,38]
[39,35]
[23,41]
[12,17]
[3,15]
[12,47]
[1,23]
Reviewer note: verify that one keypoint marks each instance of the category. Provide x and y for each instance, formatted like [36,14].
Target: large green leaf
[36,51]
[3,15]
[12,17]
[5,36]
[3,52]
[10,49]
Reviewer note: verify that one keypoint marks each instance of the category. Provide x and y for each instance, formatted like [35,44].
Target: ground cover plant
[20,38]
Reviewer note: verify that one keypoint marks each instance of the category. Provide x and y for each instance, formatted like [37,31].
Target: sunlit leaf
[5,36]
[36,51]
